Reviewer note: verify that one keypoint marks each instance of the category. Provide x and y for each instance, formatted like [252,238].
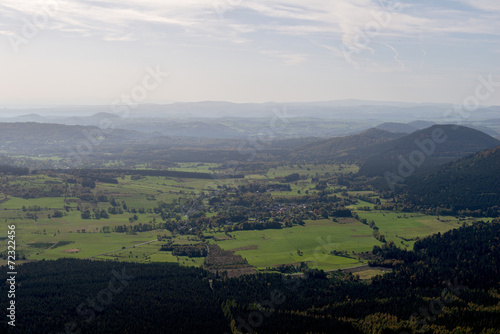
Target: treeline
[133,229]
[12,170]
[104,174]
[198,250]
[253,225]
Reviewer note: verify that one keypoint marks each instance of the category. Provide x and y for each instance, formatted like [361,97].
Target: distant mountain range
[219,119]
[279,124]
[377,151]
[40,138]
[341,109]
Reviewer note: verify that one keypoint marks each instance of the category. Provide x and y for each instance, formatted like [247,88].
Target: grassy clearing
[90,244]
[369,274]
[396,226]
[360,205]
[15,203]
[315,241]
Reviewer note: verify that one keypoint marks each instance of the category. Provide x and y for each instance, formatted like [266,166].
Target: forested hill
[426,148]
[472,183]
[344,148]
[397,127]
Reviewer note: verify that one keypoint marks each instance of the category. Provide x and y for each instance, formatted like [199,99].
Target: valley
[316,218]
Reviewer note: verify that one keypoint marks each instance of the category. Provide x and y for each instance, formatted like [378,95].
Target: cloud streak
[342,18]
[219,40]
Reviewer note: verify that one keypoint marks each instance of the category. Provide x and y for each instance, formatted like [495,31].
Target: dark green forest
[468,184]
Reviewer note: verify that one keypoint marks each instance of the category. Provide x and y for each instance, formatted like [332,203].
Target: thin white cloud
[347,20]
[287,58]
[396,56]
[486,5]
[362,26]
[6,33]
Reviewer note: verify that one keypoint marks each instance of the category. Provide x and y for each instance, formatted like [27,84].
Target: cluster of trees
[133,229]
[197,250]
[94,214]
[376,234]
[110,175]
[12,170]
[290,268]
[253,225]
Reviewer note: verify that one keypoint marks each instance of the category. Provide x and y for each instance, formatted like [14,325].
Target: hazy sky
[95,52]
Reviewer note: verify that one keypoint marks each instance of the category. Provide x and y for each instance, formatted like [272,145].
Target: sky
[61,52]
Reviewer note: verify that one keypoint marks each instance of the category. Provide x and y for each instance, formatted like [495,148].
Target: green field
[396,226]
[318,238]
[41,236]
[315,241]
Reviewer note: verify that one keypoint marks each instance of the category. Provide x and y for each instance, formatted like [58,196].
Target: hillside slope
[472,183]
[397,127]
[425,148]
[344,147]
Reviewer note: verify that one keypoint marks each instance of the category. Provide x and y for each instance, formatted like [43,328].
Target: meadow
[318,238]
[312,243]
[328,244]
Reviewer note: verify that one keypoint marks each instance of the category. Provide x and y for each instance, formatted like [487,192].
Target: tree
[86,214]
[104,214]
[57,214]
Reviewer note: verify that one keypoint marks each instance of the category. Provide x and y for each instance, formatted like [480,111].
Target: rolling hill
[472,183]
[420,125]
[30,137]
[425,148]
[397,127]
[344,148]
